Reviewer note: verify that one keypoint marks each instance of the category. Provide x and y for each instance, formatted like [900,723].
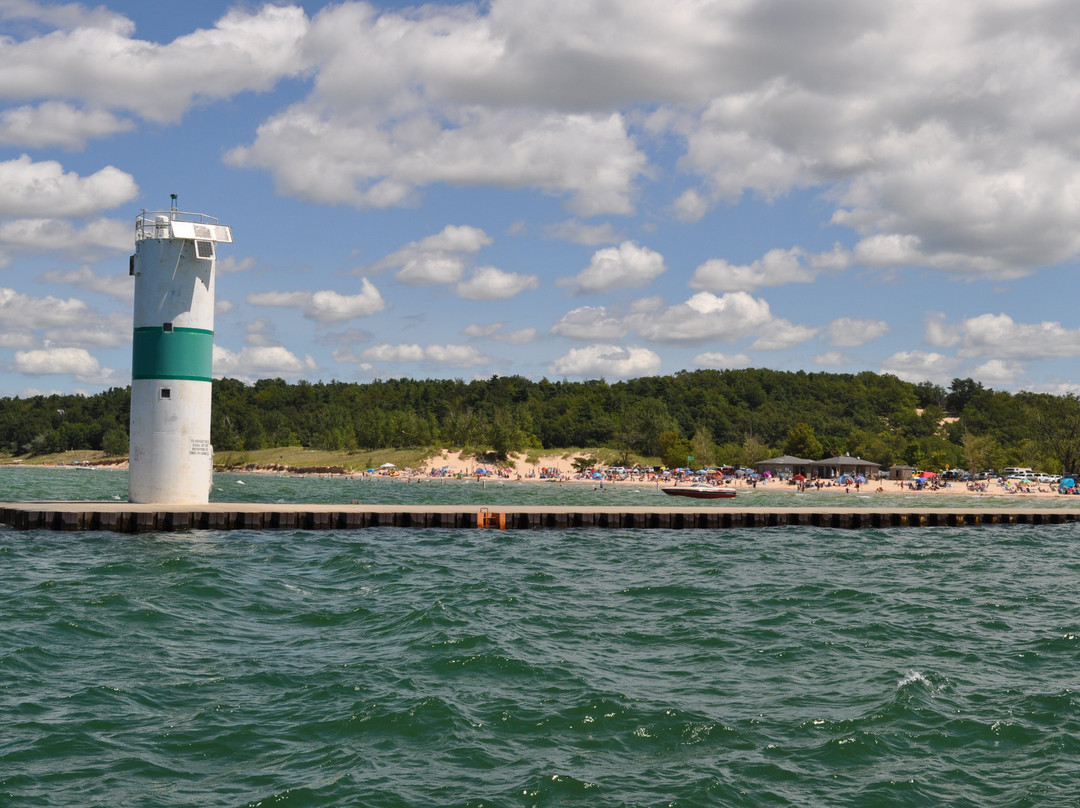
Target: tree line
[718,417]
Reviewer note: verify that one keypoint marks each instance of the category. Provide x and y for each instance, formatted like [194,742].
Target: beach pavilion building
[899,472]
[786,466]
[833,467]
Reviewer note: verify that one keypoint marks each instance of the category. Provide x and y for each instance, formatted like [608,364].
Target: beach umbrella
[799,477]
[1068,482]
[388,466]
[926,475]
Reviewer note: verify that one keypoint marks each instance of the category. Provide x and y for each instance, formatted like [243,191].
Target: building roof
[785,460]
[846,460]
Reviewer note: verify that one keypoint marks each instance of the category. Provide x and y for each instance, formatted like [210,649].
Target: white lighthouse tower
[171,459]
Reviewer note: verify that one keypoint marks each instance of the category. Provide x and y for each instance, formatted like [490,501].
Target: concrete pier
[126,517]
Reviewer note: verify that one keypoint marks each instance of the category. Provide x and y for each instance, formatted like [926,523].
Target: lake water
[37,483]
[390,667]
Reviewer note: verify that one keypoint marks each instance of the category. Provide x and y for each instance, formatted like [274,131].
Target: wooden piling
[131,518]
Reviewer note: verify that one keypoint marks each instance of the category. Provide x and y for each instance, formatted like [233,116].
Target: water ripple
[795,667]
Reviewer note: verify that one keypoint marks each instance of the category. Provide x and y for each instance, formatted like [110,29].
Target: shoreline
[458,469]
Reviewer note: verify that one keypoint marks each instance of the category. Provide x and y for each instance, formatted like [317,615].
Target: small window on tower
[166,327]
[166,392]
[204,249]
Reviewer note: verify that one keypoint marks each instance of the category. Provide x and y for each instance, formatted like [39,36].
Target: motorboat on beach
[699,491]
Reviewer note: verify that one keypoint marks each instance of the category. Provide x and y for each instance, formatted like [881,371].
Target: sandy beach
[456,465]
[558,468]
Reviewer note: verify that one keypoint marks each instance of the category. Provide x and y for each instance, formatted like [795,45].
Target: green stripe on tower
[183,353]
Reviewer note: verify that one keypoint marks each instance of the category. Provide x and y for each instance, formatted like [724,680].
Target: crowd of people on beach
[601,475]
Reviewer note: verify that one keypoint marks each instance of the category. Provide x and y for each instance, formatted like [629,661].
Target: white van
[1018,471]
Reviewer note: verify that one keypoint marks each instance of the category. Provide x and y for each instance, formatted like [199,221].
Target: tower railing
[151,223]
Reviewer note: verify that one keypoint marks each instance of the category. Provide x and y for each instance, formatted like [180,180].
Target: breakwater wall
[131,518]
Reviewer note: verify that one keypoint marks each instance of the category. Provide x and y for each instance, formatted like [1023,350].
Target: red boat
[699,491]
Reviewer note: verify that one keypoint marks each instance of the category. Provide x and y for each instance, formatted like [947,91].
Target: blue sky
[552,188]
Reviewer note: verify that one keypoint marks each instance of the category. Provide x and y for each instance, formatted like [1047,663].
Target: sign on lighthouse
[171,459]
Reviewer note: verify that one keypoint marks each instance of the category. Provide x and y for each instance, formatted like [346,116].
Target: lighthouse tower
[171,459]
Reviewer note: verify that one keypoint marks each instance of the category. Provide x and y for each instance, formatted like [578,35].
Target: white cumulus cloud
[706,316]
[489,283]
[440,258]
[456,356]
[712,359]
[260,361]
[920,366]
[590,323]
[609,361]
[95,60]
[30,189]
[848,332]
[121,287]
[781,335]
[624,267]
[775,268]
[326,306]
[56,123]
[22,312]
[1000,337]
[78,362]
[344,159]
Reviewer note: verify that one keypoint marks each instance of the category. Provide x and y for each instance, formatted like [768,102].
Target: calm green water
[766,667]
[36,483]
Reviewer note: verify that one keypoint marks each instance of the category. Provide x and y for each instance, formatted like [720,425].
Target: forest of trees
[716,416]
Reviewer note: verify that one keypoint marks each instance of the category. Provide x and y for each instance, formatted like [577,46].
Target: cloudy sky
[552,188]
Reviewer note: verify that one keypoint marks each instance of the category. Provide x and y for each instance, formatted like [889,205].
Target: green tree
[582,464]
[802,442]
[1055,424]
[979,451]
[754,449]
[639,426]
[504,434]
[115,443]
[674,450]
[961,393]
[702,447]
